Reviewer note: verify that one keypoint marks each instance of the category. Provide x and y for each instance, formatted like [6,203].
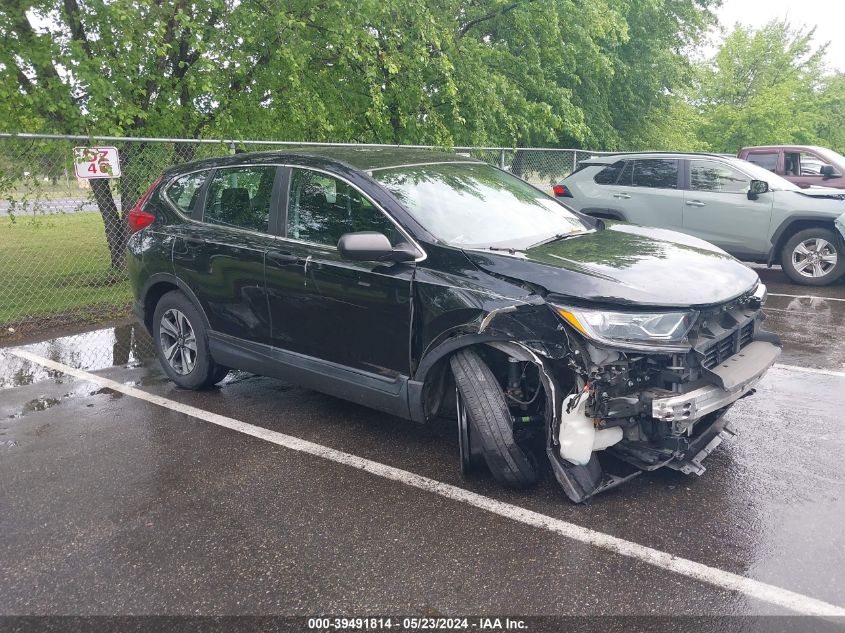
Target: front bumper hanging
[696,415]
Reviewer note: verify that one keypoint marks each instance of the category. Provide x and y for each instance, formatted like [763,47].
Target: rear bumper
[731,380]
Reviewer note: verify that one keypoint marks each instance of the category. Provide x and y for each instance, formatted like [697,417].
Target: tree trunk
[133,177]
[116,230]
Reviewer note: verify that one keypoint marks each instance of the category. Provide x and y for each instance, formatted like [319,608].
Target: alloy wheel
[178,341]
[814,257]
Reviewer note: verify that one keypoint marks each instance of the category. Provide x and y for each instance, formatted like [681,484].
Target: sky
[828,16]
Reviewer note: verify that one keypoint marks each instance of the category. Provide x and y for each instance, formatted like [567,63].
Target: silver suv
[744,209]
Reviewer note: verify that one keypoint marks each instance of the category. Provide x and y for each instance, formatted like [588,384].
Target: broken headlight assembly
[651,331]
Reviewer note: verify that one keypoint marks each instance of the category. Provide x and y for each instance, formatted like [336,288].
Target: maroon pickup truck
[805,165]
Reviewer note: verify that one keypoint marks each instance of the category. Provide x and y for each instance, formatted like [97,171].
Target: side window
[766,160]
[322,208]
[627,177]
[656,173]
[240,197]
[804,164]
[184,191]
[708,175]
[609,174]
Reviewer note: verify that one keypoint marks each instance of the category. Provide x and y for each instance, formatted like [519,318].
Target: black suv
[430,284]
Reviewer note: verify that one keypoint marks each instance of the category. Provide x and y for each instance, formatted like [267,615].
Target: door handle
[694,203]
[623,196]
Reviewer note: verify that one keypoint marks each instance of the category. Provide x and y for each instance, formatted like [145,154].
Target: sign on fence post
[96,162]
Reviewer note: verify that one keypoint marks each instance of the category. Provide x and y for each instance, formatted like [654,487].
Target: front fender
[839,223]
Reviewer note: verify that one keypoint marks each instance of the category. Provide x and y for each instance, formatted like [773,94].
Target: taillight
[562,191]
[137,218]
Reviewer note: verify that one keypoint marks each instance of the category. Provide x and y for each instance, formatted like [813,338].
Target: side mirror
[757,187]
[369,246]
[829,171]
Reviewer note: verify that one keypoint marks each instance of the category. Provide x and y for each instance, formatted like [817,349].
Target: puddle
[126,345]
[810,329]
[40,404]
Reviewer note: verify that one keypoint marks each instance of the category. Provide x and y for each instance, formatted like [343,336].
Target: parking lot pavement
[115,504]
[811,321]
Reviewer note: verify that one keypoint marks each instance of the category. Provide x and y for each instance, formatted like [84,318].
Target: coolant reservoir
[578,435]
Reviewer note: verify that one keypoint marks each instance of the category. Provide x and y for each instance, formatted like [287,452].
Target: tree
[637,102]
[762,87]
[830,129]
[109,68]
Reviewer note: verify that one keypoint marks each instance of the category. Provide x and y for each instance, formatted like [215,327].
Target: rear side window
[655,173]
[240,198]
[185,190]
[609,174]
[768,160]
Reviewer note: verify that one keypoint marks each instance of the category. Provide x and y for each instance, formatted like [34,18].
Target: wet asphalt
[112,505]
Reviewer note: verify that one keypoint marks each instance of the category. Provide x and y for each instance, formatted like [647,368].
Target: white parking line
[811,370]
[719,578]
[775,294]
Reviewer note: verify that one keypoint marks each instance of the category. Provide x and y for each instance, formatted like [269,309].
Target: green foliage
[769,87]
[607,74]
[510,72]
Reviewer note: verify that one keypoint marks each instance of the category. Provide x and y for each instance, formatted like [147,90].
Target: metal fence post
[502,158]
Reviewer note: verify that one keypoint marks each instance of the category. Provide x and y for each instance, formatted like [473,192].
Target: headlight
[655,331]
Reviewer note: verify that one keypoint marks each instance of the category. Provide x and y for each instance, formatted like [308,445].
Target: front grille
[746,334]
[723,349]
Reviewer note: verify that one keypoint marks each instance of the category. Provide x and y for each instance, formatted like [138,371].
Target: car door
[220,255]
[353,314]
[648,192]
[717,208]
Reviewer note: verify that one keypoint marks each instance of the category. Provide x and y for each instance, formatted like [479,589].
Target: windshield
[473,205]
[776,183]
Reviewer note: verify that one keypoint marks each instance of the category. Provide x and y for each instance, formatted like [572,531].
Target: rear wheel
[488,423]
[813,257]
[181,343]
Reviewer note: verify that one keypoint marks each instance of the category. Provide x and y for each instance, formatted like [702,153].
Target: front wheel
[813,257]
[488,420]
[181,343]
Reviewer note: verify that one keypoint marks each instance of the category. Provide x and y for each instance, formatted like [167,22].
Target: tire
[181,343]
[490,422]
[220,374]
[802,247]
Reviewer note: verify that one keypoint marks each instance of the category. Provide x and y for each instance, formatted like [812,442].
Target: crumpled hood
[627,264]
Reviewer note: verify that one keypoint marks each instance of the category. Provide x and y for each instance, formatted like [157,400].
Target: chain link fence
[62,238]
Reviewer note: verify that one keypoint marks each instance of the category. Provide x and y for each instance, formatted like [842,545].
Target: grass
[56,269]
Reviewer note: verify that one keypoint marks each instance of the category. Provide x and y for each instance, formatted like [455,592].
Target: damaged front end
[656,407]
